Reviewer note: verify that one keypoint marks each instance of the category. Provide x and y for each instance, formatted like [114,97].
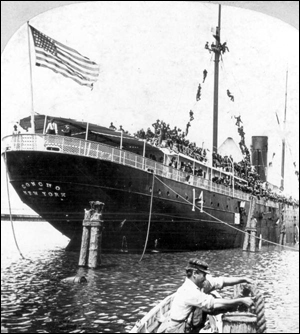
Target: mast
[216,84]
[283,139]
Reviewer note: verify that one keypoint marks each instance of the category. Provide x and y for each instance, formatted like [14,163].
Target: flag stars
[44,42]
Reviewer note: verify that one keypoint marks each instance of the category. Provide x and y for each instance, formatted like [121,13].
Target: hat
[197,264]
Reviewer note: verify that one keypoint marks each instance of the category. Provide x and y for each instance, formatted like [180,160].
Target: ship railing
[81,147]
[268,203]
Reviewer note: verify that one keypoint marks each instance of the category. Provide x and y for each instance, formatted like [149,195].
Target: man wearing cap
[194,294]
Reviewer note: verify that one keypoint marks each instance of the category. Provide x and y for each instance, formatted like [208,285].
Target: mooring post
[250,229]
[92,236]
[95,247]
[84,245]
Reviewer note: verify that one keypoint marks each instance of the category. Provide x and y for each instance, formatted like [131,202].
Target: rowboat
[155,318]
[240,320]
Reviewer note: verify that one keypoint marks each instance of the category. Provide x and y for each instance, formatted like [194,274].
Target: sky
[151,57]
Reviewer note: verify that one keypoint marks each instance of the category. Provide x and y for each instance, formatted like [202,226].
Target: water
[122,290]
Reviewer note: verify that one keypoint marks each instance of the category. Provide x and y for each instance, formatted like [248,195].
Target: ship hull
[60,186]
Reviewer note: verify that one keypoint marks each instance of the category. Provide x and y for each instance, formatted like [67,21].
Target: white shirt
[189,295]
[52,126]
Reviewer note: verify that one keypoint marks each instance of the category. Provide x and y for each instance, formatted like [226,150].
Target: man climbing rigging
[204,75]
[230,95]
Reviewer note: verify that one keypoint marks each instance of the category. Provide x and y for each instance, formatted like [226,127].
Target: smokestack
[259,159]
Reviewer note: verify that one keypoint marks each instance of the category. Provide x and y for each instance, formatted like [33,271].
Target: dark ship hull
[59,186]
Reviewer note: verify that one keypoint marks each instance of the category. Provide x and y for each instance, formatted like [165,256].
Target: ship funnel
[259,151]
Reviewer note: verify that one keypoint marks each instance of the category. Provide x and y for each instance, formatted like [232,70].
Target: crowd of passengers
[174,139]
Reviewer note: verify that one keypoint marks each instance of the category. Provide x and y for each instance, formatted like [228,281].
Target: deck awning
[96,133]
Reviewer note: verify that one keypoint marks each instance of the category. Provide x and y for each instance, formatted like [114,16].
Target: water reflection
[122,290]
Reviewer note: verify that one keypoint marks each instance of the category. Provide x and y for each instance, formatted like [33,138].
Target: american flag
[64,60]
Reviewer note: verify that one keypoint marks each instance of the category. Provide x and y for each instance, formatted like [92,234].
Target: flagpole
[30,64]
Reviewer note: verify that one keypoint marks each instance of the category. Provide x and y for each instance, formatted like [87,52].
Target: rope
[9,206]
[149,221]
[261,325]
[217,219]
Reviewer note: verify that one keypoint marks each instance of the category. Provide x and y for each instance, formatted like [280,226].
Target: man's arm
[220,303]
[229,281]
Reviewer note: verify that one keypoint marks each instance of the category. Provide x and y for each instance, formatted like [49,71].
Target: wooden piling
[260,242]
[239,323]
[90,252]
[250,227]
[95,248]
[84,245]
[252,240]
[246,240]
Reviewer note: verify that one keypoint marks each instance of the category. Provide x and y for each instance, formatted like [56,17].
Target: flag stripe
[73,51]
[62,65]
[67,76]
[41,55]
[92,71]
[51,64]
[63,59]
[77,55]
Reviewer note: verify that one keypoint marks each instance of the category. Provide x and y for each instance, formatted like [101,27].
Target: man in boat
[193,295]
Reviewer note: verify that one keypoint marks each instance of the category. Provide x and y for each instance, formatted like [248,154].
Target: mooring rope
[9,206]
[149,221]
[221,221]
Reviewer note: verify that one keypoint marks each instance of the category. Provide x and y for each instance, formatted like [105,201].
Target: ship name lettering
[35,193]
[23,186]
[56,194]
[50,194]
[29,193]
[27,184]
[44,193]
[33,183]
[40,184]
[63,194]
[57,188]
[25,192]
[49,185]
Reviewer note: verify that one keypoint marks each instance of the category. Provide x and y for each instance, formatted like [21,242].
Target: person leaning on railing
[51,128]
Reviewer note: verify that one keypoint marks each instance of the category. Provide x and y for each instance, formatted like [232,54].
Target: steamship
[147,202]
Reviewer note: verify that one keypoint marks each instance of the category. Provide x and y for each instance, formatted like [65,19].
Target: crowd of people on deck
[247,179]
[173,139]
